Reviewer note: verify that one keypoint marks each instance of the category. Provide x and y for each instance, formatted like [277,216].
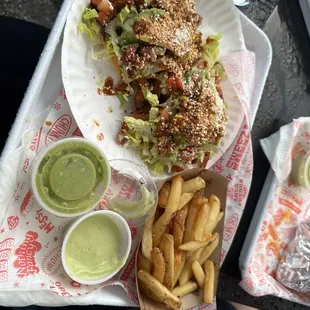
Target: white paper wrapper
[100,116]
[288,207]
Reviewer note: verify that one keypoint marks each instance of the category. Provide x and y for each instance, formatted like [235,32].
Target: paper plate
[100,117]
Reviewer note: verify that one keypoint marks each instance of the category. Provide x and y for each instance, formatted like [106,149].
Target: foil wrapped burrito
[294,267]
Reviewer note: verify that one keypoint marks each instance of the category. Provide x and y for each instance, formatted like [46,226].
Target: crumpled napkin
[282,146]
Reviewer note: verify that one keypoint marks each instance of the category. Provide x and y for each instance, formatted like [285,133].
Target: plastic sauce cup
[70,177]
[301,170]
[133,192]
[95,247]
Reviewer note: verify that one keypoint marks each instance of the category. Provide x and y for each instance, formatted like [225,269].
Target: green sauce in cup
[71,177]
[93,248]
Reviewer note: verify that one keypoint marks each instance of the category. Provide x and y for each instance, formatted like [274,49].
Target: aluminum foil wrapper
[294,267]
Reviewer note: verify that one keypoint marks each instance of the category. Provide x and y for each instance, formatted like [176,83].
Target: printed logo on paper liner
[223,255]
[230,66]
[6,247]
[25,261]
[27,204]
[34,146]
[235,159]
[129,268]
[230,227]
[58,289]
[131,294]
[75,284]
[249,284]
[51,262]
[59,129]
[290,200]
[13,222]
[77,133]
[43,221]
[205,306]
[133,230]
[238,193]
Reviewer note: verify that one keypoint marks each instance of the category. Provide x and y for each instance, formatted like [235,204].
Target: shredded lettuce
[110,28]
[122,99]
[153,114]
[89,24]
[127,38]
[139,129]
[212,49]
[158,168]
[89,14]
[125,14]
[151,98]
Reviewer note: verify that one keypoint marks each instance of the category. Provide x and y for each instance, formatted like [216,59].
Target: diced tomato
[103,18]
[164,114]
[171,83]
[178,83]
[174,83]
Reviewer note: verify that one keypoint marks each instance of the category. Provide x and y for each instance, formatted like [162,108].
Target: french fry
[179,226]
[187,271]
[184,289]
[185,199]
[159,229]
[174,198]
[143,263]
[193,185]
[147,292]
[208,293]
[208,250]
[159,268]
[168,251]
[214,212]
[201,222]
[147,239]
[160,291]
[193,246]
[164,194]
[194,207]
[198,273]
[201,256]
[179,261]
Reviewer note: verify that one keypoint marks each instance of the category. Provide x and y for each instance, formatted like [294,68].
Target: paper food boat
[217,185]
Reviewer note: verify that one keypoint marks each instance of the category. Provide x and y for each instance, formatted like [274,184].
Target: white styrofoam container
[41,94]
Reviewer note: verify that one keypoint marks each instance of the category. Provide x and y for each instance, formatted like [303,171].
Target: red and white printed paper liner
[99,117]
